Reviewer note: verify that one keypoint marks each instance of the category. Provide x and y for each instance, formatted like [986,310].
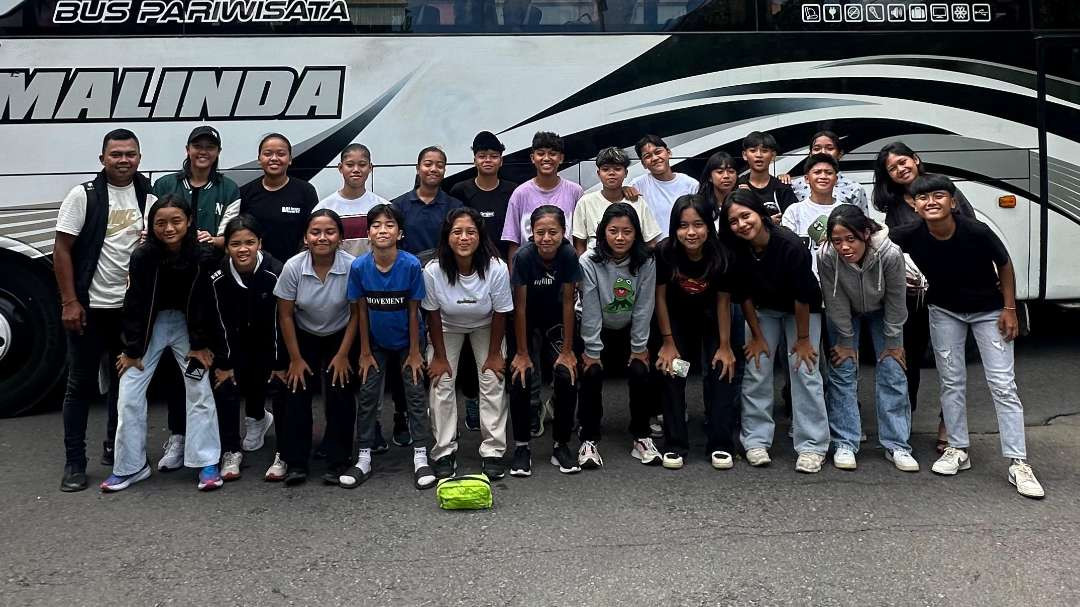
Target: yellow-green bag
[469,492]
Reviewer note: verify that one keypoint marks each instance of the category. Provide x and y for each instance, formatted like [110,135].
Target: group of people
[495,289]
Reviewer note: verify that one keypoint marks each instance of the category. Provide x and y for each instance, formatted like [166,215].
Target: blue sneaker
[210,478]
[117,482]
[472,414]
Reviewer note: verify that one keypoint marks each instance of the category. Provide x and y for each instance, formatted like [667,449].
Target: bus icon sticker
[853,13]
[960,13]
[875,13]
[939,13]
[832,13]
[811,13]
[917,12]
[897,12]
[980,12]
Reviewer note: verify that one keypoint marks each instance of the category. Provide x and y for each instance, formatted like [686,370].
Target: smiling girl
[353,200]
[618,287]
[781,298]
[318,329]
[166,307]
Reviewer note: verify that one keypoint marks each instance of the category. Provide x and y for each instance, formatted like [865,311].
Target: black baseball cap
[205,131]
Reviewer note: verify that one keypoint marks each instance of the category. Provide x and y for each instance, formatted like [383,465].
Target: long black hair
[188,245]
[243,221]
[545,210]
[716,255]
[215,174]
[886,191]
[750,200]
[639,253]
[485,250]
[719,160]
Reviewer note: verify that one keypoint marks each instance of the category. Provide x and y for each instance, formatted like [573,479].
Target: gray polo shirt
[322,308]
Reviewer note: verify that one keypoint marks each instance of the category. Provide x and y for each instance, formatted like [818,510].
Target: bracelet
[70,301]
[802,337]
[1012,308]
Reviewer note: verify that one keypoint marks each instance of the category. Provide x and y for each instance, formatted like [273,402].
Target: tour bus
[986,92]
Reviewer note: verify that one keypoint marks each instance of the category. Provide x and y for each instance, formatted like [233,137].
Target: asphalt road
[626,534]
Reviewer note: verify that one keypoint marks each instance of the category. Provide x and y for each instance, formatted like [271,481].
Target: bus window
[1057,14]
[848,15]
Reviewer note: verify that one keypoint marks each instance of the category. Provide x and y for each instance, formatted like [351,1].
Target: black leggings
[251,385]
[590,400]
[916,340]
[544,347]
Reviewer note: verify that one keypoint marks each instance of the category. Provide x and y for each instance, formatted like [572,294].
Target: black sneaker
[564,459]
[521,464]
[74,479]
[402,436]
[494,468]
[295,477]
[378,445]
[472,414]
[445,466]
[108,454]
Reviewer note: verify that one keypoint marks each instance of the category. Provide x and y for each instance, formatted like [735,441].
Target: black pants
[591,395]
[251,385]
[721,396]
[100,339]
[916,340]
[169,380]
[294,432]
[544,347]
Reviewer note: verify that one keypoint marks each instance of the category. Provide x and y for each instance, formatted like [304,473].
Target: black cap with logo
[205,131]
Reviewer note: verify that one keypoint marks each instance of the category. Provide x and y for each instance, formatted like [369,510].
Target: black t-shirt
[776,191]
[283,214]
[778,276]
[691,294]
[961,270]
[544,282]
[492,206]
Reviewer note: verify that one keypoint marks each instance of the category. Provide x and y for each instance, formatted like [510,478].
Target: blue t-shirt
[387,295]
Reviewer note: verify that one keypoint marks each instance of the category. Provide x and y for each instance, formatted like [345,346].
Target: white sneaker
[902,460]
[255,431]
[230,465]
[758,456]
[588,457]
[951,462]
[722,460]
[1023,477]
[672,461]
[174,454]
[809,463]
[276,471]
[645,451]
[844,458]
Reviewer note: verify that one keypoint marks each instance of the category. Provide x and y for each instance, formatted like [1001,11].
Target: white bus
[986,92]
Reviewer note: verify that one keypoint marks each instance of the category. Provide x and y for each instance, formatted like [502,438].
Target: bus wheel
[32,343]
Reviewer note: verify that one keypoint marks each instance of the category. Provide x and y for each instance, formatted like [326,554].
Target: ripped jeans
[948,333]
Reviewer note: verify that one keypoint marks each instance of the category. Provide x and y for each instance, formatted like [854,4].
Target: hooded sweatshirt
[853,289]
[612,298]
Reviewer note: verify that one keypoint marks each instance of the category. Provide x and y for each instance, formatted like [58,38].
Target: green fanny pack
[470,492]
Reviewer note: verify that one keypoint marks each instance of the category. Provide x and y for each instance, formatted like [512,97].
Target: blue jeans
[809,416]
[890,393]
[948,332]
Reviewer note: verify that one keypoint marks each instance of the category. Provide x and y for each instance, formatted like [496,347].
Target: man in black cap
[487,193]
[209,192]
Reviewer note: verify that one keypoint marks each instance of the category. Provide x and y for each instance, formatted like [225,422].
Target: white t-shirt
[122,232]
[809,220]
[470,302]
[590,210]
[661,195]
[354,215]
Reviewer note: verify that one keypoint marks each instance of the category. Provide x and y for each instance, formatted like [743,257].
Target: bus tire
[34,349]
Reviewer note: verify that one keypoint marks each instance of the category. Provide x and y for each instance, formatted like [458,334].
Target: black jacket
[87,246]
[247,330]
[144,286]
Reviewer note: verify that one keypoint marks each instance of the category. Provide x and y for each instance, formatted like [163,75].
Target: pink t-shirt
[527,196]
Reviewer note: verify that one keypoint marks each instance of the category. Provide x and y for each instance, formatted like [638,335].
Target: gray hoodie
[879,282]
[612,298]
